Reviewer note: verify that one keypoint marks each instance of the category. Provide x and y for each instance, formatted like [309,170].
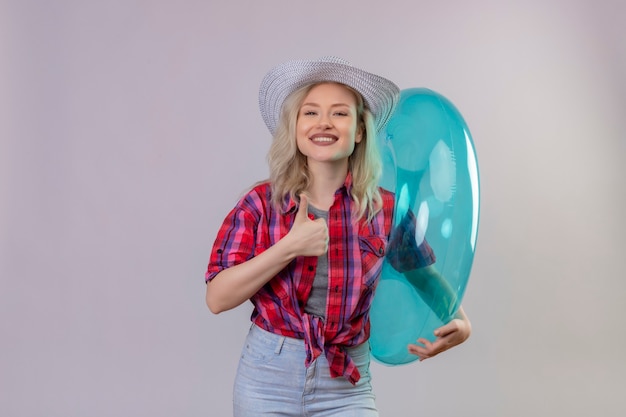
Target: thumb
[303,208]
[445,330]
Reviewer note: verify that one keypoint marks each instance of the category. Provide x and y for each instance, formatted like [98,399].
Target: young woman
[306,247]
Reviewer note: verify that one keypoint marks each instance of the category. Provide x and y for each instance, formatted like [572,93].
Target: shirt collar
[290,204]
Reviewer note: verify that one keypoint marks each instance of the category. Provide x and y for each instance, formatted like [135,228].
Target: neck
[325,180]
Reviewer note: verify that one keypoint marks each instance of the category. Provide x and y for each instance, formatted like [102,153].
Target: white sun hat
[380,94]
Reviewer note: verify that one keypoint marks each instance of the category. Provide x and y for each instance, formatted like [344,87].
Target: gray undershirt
[316,304]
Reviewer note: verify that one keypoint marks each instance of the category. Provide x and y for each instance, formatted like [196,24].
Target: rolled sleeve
[404,253]
[235,241]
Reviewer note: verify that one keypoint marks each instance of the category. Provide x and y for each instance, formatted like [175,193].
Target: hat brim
[380,94]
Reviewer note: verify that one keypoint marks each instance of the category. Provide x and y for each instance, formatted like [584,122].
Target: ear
[360,131]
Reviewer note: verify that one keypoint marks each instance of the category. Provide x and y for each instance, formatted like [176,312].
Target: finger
[426,351]
[427,344]
[419,351]
[303,208]
[416,349]
[446,329]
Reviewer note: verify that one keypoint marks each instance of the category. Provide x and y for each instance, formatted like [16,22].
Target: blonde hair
[289,173]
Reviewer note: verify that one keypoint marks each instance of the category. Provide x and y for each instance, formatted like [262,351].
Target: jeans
[272,380]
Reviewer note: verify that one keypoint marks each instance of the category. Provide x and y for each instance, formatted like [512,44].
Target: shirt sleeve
[404,252]
[235,241]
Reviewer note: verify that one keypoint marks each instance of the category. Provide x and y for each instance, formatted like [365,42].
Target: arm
[407,257]
[234,285]
[429,282]
[414,258]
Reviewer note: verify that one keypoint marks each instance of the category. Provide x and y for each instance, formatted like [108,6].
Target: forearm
[235,285]
[460,314]
[434,290]
[466,326]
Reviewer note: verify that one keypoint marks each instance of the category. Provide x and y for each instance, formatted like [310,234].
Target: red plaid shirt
[355,258]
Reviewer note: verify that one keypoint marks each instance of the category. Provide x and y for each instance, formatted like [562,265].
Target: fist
[309,237]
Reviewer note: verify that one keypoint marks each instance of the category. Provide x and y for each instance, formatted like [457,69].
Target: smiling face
[327,128]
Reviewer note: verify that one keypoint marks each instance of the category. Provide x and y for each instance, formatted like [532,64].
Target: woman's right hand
[308,237]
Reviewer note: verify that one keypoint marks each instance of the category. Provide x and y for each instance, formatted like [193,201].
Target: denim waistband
[284,342]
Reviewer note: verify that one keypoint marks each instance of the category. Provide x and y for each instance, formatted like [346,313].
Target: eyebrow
[332,105]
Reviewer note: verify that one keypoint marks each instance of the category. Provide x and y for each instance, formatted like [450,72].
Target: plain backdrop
[130,128]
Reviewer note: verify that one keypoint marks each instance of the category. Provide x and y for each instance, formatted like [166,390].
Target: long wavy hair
[289,173]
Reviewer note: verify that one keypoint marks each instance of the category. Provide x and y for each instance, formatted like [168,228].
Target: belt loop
[279,345]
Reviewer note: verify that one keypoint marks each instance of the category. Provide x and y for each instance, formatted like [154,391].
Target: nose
[325,122]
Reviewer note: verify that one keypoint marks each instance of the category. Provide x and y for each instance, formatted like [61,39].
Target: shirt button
[380,250]
[311,268]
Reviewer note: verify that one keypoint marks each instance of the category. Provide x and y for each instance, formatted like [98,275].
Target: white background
[130,128]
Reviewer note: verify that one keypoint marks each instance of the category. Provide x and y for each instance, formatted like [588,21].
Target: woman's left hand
[454,333]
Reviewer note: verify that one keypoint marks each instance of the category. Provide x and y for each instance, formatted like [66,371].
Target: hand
[452,334]
[308,237]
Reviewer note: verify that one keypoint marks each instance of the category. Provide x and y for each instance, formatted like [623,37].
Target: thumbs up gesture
[309,237]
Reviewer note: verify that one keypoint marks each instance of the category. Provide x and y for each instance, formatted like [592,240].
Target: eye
[309,113]
[341,113]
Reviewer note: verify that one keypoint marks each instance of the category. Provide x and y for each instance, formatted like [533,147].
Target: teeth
[323,140]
